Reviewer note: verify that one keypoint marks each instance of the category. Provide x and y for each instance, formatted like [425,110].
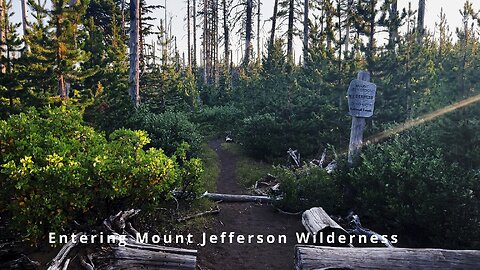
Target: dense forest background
[75,120]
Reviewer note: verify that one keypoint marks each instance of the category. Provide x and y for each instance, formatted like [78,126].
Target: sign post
[361,101]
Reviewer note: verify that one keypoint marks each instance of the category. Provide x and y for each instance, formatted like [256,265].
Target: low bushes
[168,130]
[308,187]
[55,169]
[408,185]
[217,120]
[403,186]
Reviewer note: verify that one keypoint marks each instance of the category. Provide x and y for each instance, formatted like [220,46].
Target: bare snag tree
[134,79]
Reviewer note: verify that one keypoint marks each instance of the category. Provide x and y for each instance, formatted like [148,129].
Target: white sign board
[361,98]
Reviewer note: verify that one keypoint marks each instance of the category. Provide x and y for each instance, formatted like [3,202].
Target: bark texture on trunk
[305,31]
[393,33]
[274,26]
[226,33]
[248,33]
[421,20]
[134,79]
[291,18]
[3,35]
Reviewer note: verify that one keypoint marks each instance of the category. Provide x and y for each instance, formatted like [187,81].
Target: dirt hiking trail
[246,219]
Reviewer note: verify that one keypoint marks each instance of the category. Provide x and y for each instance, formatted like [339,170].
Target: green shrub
[217,120]
[271,135]
[55,169]
[168,130]
[407,185]
[403,186]
[263,136]
[308,187]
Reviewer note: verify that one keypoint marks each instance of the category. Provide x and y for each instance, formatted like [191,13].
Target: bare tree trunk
[141,47]
[291,15]
[3,35]
[347,26]
[24,21]
[189,48]
[215,45]
[259,55]
[393,33]
[207,41]
[248,33]
[274,26]
[305,31]
[339,64]
[327,17]
[322,18]
[194,58]
[134,80]
[421,20]
[340,37]
[371,45]
[226,33]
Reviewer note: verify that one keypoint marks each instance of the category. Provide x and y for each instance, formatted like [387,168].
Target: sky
[176,10]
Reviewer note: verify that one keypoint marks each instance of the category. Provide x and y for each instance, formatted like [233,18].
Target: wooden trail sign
[361,100]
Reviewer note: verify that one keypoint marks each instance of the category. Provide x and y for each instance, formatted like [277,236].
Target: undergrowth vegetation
[404,186]
[56,170]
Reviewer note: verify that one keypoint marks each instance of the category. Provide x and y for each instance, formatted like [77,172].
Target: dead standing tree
[226,31]
[259,14]
[271,42]
[3,35]
[210,40]
[194,21]
[248,32]
[393,26]
[305,30]
[421,20]
[291,18]
[189,48]
[24,21]
[134,79]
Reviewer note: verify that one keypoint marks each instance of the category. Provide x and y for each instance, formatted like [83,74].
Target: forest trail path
[246,219]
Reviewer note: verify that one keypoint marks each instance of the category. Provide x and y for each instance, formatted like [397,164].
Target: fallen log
[236,198]
[316,220]
[124,252]
[58,262]
[358,229]
[313,257]
[135,255]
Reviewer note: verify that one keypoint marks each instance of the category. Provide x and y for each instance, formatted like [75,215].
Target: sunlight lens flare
[420,120]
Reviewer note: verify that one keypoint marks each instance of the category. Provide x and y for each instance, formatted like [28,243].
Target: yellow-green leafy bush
[55,169]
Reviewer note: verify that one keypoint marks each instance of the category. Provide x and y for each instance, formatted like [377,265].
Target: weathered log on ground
[124,252]
[236,198]
[312,257]
[58,262]
[358,229]
[316,220]
[145,256]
